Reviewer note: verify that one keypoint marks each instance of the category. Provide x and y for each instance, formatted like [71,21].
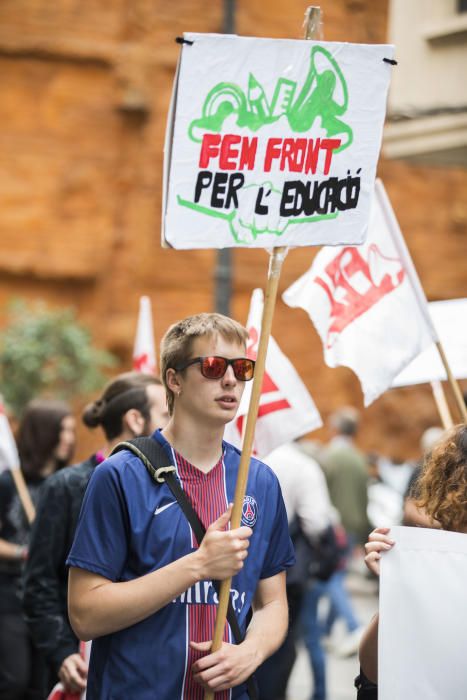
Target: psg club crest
[249,511]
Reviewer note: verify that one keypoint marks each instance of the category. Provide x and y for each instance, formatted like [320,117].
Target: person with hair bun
[46,440]
[132,404]
[441,494]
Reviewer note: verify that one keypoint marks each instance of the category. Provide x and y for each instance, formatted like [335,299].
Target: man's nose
[229,377]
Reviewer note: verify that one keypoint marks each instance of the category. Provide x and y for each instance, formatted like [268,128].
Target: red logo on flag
[268,386]
[142,363]
[354,285]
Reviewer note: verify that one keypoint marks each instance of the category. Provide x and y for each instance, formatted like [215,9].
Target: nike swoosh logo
[162,508]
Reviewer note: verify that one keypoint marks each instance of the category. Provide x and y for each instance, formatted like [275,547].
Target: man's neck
[200,445]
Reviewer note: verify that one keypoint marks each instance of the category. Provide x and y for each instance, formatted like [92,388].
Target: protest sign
[450,320]
[364,305]
[286,409]
[273,142]
[423,616]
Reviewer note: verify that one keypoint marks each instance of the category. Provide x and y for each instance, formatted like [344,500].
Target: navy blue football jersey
[130,526]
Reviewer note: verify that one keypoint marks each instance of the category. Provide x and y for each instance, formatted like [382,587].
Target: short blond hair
[177,343]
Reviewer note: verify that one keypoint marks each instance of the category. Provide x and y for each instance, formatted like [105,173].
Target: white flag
[367,303]
[144,354]
[286,409]
[450,320]
[9,458]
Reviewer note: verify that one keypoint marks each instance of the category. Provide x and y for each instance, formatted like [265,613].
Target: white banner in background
[273,141]
[450,320]
[423,616]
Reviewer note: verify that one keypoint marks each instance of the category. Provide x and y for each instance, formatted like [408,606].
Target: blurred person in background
[132,404]
[46,441]
[346,471]
[413,515]
[309,513]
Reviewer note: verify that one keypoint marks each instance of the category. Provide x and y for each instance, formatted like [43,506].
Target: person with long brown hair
[46,440]
[441,494]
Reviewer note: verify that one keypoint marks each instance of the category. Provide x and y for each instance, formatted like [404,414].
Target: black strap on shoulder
[158,464]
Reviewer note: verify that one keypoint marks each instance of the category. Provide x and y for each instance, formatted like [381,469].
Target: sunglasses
[214,367]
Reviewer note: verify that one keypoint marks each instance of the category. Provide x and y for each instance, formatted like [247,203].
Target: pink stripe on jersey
[206,493]
[201,619]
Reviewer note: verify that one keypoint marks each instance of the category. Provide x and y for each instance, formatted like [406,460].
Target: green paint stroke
[247,232]
[253,110]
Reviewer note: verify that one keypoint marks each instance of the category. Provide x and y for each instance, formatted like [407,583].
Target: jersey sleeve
[280,553]
[101,539]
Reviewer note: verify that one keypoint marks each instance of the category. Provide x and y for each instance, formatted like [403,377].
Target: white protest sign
[422,637]
[273,142]
[450,320]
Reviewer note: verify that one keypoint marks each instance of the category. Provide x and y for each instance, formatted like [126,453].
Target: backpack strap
[155,459]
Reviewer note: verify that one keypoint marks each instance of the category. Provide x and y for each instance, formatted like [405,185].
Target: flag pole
[452,381]
[401,247]
[11,459]
[23,494]
[441,404]
[275,265]
[277,257]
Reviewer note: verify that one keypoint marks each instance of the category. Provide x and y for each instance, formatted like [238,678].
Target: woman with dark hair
[440,493]
[132,404]
[46,437]
[46,440]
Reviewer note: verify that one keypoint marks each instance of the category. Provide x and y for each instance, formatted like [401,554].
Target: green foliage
[47,352]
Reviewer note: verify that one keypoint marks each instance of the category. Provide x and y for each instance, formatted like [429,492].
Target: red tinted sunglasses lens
[213,367]
[243,369]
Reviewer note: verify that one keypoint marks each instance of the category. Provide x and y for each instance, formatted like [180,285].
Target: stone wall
[83,102]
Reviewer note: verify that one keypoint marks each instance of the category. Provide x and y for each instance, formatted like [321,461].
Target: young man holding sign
[140,583]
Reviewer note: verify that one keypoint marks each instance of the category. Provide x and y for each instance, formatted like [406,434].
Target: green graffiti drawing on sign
[323,98]
[253,110]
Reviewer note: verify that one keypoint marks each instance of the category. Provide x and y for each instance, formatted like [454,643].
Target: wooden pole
[23,494]
[312,30]
[275,266]
[453,382]
[441,404]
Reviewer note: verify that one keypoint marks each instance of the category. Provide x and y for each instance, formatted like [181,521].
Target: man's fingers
[222,520]
[201,646]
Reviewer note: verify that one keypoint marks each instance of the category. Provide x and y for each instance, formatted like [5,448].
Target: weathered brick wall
[83,101]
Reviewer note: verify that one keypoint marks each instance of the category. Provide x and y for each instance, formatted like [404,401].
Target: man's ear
[173,381]
[133,421]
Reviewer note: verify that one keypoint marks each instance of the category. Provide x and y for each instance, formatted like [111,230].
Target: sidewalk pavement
[340,672]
